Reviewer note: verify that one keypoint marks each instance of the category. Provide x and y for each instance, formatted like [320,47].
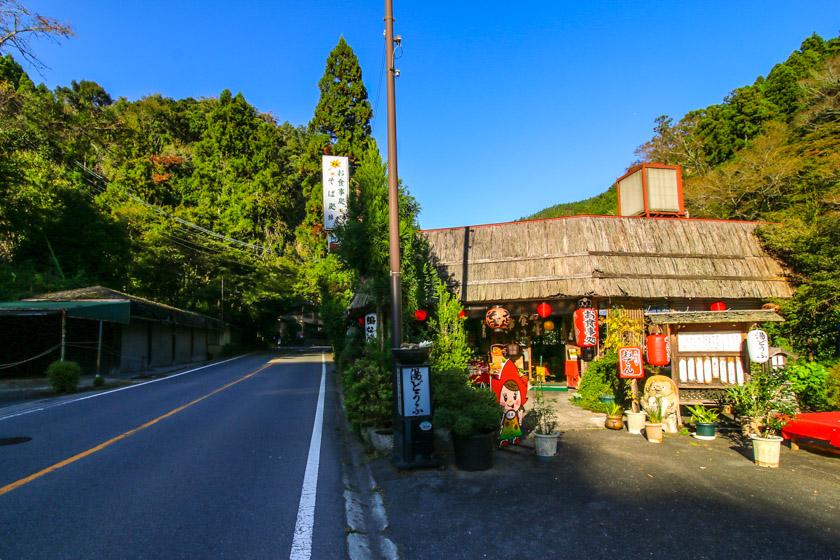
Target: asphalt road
[206,464]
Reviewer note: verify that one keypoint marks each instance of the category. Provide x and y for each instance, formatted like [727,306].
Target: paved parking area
[614,495]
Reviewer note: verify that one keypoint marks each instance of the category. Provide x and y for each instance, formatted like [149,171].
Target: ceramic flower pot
[706,430]
[766,450]
[653,431]
[545,445]
[606,400]
[614,423]
[381,439]
[635,421]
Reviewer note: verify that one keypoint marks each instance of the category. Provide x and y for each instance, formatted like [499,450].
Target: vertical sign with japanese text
[335,176]
[630,362]
[416,397]
[371,323]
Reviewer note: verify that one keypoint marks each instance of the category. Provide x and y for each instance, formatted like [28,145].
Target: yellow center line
[113,440]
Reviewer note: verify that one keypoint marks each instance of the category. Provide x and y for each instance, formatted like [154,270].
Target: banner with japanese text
[334,177]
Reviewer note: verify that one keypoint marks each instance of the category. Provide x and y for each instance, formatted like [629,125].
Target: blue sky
[503,108]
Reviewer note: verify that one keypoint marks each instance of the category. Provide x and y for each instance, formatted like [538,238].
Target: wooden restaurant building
[657,266]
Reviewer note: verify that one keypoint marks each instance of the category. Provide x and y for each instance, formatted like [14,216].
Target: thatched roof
[608,256]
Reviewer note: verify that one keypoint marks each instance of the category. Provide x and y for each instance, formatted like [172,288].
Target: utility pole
[393,181]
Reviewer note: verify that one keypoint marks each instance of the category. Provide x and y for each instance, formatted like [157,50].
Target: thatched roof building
[608,256]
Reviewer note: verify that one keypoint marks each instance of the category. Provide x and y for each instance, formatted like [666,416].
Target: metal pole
[393,191]
[63,332]
[99,350]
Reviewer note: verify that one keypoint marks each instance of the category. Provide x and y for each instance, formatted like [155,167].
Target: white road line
[302,543]
[102,394]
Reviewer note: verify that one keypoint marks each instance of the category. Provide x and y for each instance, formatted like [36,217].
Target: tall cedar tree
[342,122]
[343,111]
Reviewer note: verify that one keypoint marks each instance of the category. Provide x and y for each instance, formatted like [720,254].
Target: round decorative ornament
[497,318]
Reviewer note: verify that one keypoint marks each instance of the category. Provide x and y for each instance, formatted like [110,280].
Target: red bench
[823,426]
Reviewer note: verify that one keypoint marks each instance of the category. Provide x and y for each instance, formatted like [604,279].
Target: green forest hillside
[770,151]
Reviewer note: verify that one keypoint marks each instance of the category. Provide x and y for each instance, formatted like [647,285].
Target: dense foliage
[368,389]
[601,378]
[204,204]
[451,351]
[602,204]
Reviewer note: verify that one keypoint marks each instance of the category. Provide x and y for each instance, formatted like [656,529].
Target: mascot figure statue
[663,388]
[512,393]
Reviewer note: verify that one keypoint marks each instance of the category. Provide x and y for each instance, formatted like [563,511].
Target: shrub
[98,381]
[368,389]
[768,399]
[462,408]
[479,413]
[832,390]
[451,351]
[64,376]
[810,382]
[601,378]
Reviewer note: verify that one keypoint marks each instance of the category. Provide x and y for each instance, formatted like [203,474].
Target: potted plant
[615,417]
[653,426]
[473,416]
[606,400]
[705,421]
[635,421]
[769,401]
[545,427]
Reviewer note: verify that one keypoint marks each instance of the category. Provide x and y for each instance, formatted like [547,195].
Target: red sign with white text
[630,362]
[586,327]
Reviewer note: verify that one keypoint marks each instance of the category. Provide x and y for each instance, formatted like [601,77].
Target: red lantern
[543,310]
[361,321]
[462,314]
[421,314]
[718,306]
[586,327]
[657,350]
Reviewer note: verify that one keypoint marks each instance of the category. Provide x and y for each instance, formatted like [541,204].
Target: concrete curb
[367,520]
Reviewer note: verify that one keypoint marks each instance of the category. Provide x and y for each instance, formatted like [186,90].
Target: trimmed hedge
[64,376]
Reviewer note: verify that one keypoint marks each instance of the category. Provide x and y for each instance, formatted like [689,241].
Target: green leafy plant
[615,410]
[368,389]
[479,413]
[64,376]
[810,382]
[98,381]
[462,408]
[768,399]
[601,378]
[654,411]
[703,415]
[545,418]
[451,351]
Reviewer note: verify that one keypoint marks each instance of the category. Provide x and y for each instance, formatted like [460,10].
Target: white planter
[766,450]
[635,421]
[546,445]
[382,440]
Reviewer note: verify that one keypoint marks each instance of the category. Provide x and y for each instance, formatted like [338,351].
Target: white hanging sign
[709,342]
[371,324]
[758,346]
[335,175]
